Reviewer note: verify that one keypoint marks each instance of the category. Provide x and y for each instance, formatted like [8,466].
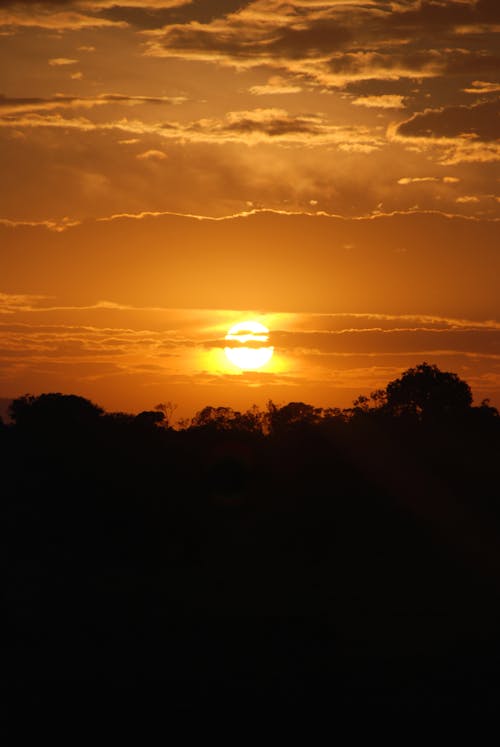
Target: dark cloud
[347,42]
[376,87]
[248,36]
[17,104]
[141,14]
[475,121]
[274,124]
[414,340]
[431,16]
[463,62]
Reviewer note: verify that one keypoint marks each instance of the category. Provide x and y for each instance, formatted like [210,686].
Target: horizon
[177,419]
[175,167]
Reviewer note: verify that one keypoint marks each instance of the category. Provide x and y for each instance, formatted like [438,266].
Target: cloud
[247,126]
[275,85]
[482,87]
[419,179]
[477,121]
[277,125]
[148,4]
[13,105]
[467,198]
[51,225]
[10,303]
[385,101]
[332,44]
[148,349]
[416,341]
[42,15]
[462,133]
[338,318]
[152,155]
[212,172]
[61,61]
[74,14]
[300,273]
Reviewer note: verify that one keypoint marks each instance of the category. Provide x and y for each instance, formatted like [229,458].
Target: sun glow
[247,349]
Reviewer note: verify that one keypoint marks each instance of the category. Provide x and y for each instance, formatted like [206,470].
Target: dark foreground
[337,566]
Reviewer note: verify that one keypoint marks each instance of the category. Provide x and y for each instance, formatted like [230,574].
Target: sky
[173,167]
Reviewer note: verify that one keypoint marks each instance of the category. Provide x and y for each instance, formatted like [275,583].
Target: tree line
[287,539]
[422,394]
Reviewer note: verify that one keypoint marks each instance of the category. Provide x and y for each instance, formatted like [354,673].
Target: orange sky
[171,167]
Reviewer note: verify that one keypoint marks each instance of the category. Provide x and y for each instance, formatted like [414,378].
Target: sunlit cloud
[152,155]
[51,225]
[479,87]
[405,180]
[13,105]
[476,121]
[460,134]
[276,85]
[329,44]
[61,61]
[468,198]
[387,101]
[247,126]
[46,18]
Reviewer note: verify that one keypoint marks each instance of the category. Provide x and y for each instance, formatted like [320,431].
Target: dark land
[293,557]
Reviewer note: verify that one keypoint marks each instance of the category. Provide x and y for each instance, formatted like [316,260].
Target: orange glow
[177,169]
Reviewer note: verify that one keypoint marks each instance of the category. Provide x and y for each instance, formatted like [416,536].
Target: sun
[247,350]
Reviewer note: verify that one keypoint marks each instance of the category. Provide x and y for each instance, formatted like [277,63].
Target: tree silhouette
[426,391]
[261,536]
[149,418]
[53,411]
[293,414]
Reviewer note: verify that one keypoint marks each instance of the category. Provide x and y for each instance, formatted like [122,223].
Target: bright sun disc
[247,350]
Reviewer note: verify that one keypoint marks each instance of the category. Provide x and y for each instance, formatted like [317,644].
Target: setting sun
[248,350]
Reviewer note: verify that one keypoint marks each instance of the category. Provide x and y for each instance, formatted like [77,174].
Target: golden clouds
[483,86]
[462,133]
[338,100]
[420,179]
[61,61]
[10,105]
[19,16]
[247,126]
[276,85]
[384,101]
[152,155]
[477,121]
[331,43]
